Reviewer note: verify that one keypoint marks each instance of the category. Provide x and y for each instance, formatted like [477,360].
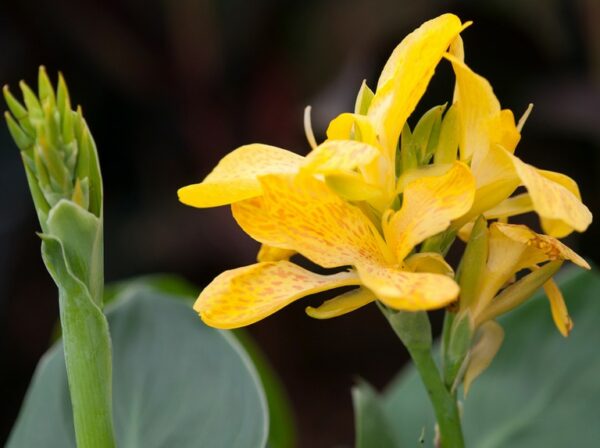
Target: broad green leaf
[370,421]
[176,383]
[542,390]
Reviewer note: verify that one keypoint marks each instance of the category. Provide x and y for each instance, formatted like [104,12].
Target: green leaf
[176,383]
[542,390]
[371,424]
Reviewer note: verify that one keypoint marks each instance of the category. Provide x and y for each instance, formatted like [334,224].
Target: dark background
[170,87]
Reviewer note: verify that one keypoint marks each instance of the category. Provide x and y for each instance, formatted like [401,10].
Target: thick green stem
[444,404]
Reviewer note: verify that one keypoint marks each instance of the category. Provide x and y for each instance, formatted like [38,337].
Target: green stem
[444,404]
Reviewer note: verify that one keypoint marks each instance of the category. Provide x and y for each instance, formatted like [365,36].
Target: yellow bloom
[488,138]
[301,213]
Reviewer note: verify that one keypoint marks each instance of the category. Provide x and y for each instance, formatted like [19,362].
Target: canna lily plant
[387,202]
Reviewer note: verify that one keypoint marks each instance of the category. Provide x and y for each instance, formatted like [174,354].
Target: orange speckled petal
[242,296]
[301,213]
[560,314]
[408,291]
[540,247]
[406,75]
[235,178]
[554,198]
[428,207]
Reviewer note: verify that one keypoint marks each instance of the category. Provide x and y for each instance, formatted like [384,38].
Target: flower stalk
[414,330]
[61,164]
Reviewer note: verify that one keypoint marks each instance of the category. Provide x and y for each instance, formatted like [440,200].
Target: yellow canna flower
[301,213]
[488,138]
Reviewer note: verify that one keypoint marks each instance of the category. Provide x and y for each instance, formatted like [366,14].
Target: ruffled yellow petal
[560,314]
[235,178]
[408,291]
[270,253]
[406,75]
[245,295]
[537,248]
[482,354]
[334,156]
[301,213]
[429,205]
[342,304]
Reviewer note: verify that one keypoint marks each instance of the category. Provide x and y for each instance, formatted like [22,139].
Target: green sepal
[447,147]
[426,134]
[457,348]
[407,158]
[45,89]
[363,99]
[34,108]
[472,265]
[80,233]
[21,138]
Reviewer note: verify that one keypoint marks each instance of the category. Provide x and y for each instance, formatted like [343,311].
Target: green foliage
[542,390]
[370,421]
[177,383]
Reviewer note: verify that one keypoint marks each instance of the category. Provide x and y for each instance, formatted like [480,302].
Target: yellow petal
[516,205]
[406,75]
[339,155]
[235,178]
[556,227]
[428,262]
[348,126]
[540,247]
[270,253]
[483,123]
[342,304]
[242,296]
[560,314]
[408,291]
[551,198]
[482,354]
[429,205]
[301,213]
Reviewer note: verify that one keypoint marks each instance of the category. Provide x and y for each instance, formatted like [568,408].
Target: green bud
[473,264]
[56,146]
[447,147]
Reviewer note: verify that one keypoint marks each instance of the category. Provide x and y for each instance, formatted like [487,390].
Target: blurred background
[169,87]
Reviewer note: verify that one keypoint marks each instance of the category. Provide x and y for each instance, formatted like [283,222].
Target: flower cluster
[387,202]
